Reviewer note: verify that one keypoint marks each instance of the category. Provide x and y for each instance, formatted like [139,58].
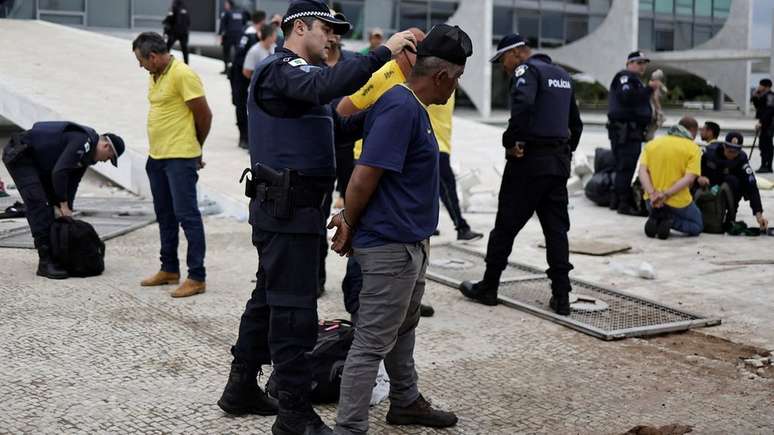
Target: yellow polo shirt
[668,159]
[171,128]
[385,78]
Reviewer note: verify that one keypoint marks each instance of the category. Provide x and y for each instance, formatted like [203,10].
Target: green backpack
[717,206]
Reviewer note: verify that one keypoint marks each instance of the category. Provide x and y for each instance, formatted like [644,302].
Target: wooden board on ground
[594,247]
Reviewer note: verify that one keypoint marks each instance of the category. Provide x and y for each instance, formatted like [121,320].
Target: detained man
[391,211]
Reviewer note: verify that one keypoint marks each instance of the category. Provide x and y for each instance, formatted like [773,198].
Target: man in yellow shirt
[178,123]
[668,167]
[393,73]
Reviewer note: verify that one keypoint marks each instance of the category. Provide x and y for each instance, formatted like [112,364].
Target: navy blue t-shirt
[399,138]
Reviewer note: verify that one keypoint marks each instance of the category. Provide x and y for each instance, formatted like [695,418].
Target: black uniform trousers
[36,197]
[239,89]
[229,46]
[279,323]
[448,189]
[626,153]
[521,196]
[183,39]
[767,146]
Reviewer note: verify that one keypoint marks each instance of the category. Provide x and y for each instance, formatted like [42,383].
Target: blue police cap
[316,9]
[508,42]
[117,144]
[734,139]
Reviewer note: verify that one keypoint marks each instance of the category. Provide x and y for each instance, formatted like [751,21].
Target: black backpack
[334,338]
[76,246]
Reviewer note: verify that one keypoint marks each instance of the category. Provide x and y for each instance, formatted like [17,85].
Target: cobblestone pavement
[103,355]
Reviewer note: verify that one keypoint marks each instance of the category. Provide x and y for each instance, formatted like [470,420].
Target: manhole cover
[602,312]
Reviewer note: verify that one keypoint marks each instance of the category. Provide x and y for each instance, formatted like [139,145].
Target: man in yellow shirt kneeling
[668,167]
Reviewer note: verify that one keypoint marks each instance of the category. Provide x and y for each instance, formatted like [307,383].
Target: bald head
[690,124]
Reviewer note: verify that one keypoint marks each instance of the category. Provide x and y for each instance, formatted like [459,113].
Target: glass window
[577,27]
[701,34]
[112,13]
[528,26]
[684,7]
[647,5]
[721,8]
[552,25]
[412,13]
[703,8]
[441,11]
[645,37]
[63,5]
[663,38]
[502,20]
[683,34]
[665,6]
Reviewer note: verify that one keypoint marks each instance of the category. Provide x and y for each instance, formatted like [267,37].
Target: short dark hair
[287,27]
[230,3]
[149,42]
[765,82]
[258,16]
[267,30]
[713,127]
[689,122]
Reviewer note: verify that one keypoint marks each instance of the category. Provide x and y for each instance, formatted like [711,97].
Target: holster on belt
[279,192]
[15,148]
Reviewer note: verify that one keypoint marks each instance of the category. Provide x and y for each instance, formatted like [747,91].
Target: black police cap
[508,42]
[637,56]
[731,143]
[316,9]
[448,43]
[118,146]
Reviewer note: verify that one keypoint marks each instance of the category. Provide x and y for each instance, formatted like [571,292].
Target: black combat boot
[625,207]
[484,291]
[613,205]
[242,394]
[297,417]
[560,303]
[47,267]
[420,413]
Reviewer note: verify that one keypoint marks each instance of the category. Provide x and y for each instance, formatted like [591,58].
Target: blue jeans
[173,185]
[687,219]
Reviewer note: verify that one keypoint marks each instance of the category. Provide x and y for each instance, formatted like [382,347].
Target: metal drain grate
[601,312]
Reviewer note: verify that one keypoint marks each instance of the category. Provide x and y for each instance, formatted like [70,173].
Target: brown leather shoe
[189,287]
[161,278]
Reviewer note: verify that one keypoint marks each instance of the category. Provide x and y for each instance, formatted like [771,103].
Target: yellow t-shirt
[171,128]
[668,159]
[385,78]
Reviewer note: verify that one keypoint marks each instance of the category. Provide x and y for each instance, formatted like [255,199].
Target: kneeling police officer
[543,132]
[291,131]
[47,163]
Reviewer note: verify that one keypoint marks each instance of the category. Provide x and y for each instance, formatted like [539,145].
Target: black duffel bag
[76,246]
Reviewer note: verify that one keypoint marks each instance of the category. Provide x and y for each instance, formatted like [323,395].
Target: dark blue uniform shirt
[629,99]
[399,139]
[716,167]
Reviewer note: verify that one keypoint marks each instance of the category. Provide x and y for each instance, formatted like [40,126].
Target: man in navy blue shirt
[392,209]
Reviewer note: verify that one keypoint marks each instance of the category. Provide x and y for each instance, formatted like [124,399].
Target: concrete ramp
[53,72]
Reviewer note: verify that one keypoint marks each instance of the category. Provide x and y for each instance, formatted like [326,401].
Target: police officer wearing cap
[543,132]
[47,163]
[232,23]
[724,162]
[629,113]
[291,131]
[763,100]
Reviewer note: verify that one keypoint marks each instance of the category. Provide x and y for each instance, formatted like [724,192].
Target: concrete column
[475,18]
[717,101]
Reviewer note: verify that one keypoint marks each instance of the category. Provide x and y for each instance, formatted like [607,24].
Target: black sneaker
[468,235]
[560,304]
[426,310]
[664,225]
[651,225]
[480,292]
[420,413]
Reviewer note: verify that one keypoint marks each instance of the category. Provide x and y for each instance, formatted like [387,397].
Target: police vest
[718,167]
[551,115]
[247,41]
[236,23]
[47,140]
[304,143]
[631,110]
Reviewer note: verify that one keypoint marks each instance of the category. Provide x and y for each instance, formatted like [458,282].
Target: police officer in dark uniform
[763,100]
[629,112]
[232,23]
[724,162]
[240,83]
[47,163]
[543,132]
[292,156]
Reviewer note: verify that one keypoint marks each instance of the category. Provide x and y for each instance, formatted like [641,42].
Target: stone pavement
[103,355]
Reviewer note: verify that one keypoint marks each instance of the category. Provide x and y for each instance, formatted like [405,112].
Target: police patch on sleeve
[86,147]
[520,70]
[624,79]
[297,62]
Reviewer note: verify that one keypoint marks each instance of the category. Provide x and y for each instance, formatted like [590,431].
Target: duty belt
[300,197]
